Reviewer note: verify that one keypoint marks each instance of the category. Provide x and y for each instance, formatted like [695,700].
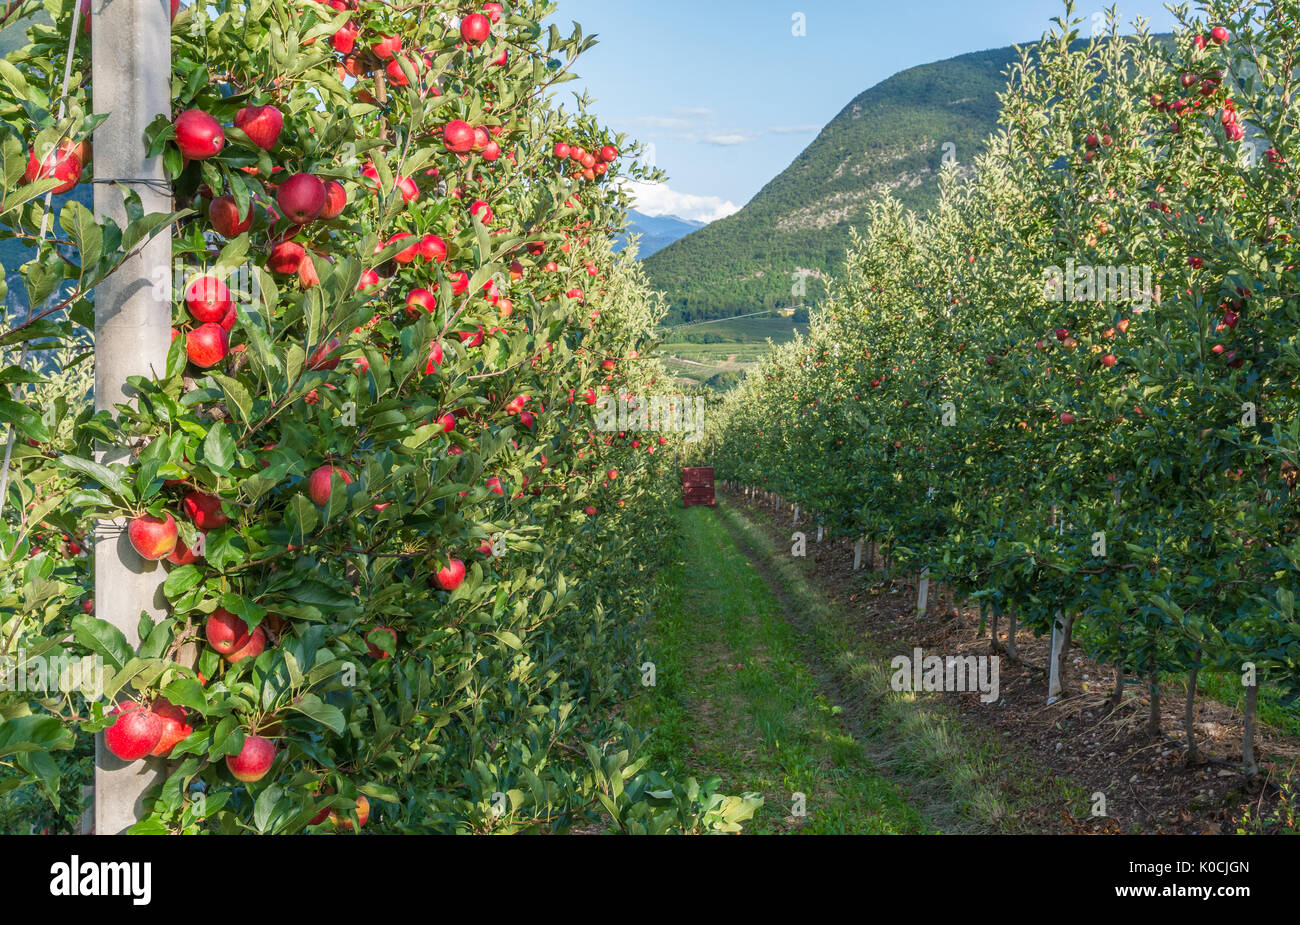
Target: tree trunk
[1011,631]
[1189,714]
[1153,686]
[1117,698]
[1248,735]
[1058,681]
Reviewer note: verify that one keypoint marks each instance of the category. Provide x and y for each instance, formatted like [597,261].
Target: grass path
[735,697]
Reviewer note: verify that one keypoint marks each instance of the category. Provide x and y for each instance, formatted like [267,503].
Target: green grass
[754,330]
[1270,711]
[968,778]
[733,697]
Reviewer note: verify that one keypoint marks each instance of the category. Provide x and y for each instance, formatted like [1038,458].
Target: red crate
[697,486]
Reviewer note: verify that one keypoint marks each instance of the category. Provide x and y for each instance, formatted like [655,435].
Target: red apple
[434,359]
[321,483]
[482,211]
[153,537]
[345,40]
[475,29]
[262,125]
[375,651]
[61,163]
[448,422]
[307,276]
[418,300]
[387,46]
[409,190]
[286,257]
[174,726]
[396,76]
[198,135]
[226,632]
[433,248]
[301,197]
[134,733]
[208,299]
[205,511]
[253,760]
[224,216]
[324,356]
[207,345]
[451,575]
[458,136]
[252,648]
[406,254]
[182,554]
[336,200]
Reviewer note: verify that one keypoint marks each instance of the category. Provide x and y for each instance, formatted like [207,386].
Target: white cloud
[657,199]
[726,141]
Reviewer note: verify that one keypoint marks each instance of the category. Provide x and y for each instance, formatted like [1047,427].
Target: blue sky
[729,96]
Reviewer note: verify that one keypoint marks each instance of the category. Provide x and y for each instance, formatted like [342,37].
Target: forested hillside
[892,137]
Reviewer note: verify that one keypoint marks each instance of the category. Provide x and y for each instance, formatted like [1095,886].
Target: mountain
[657,231]
[891,137]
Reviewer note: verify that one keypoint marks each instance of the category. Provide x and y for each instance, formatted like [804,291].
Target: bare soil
[1149,784]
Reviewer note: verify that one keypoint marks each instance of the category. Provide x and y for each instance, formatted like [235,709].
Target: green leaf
[103,638]
[80,225]
[180,580]
[32,733]
[312,706]
[101,474]
[219,448]
[236,395]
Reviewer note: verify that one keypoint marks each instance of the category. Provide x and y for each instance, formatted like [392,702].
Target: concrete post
[131,80]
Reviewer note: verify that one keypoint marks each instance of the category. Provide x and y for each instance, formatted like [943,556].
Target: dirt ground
[1080,737]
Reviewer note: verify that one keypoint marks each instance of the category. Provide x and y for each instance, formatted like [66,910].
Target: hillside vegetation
[891,138]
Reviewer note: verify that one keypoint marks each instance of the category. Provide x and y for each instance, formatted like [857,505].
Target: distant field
[746,342]
[741,330]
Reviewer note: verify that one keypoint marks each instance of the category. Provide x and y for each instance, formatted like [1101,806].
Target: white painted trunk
[1058,646]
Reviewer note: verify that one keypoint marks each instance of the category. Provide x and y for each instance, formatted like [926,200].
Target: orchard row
[403,570]
[1120,474]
